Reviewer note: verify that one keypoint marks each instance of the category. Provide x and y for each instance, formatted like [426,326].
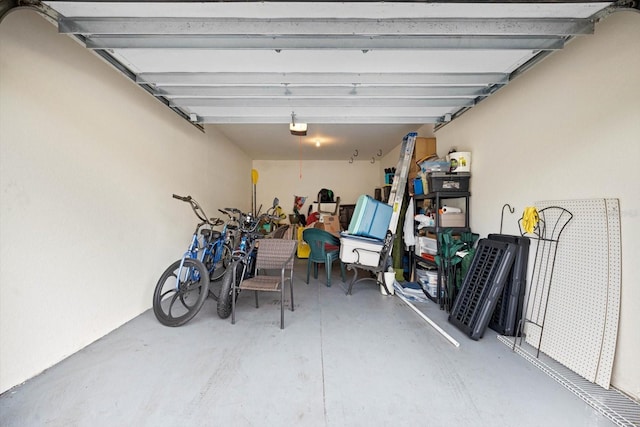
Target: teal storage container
[371,218]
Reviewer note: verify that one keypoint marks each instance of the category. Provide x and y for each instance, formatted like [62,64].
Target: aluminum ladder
[396,196]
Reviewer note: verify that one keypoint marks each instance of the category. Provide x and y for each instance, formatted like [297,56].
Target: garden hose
[530,219]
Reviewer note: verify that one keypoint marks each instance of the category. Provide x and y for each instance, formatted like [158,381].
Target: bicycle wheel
[175,302]
[221,266]
[226,289]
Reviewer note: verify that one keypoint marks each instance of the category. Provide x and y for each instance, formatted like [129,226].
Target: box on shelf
[426,245]
[427,276]
[456,219]
[357,249]
[427,166]
[454,182]
[428,257]
[371,218]
[417,186]
[424,147]
[431,289]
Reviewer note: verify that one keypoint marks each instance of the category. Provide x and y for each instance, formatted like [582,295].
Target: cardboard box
[331,223]
[424,147]
[452,220]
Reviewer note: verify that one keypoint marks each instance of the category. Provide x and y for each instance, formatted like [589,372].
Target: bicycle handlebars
[183,198]
[195,206]
[248,221]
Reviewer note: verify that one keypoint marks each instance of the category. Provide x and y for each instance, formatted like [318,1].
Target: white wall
[281,178]
[567,129]
[88,163]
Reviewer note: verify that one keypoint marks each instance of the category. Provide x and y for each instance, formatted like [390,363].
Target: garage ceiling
[247,66]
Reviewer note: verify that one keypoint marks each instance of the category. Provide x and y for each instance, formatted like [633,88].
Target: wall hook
[355,153]
[379,153]
[373,160]
[511,210]
[351,160]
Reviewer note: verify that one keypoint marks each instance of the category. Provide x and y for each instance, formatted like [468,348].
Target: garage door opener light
[299,129]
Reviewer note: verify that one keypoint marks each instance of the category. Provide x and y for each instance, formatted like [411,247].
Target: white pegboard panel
[580,316]
[614,260]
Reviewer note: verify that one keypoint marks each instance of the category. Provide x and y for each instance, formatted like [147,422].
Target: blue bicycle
[185,284]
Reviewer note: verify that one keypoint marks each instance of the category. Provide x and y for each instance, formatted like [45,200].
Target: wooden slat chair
[383,264]
[273,254]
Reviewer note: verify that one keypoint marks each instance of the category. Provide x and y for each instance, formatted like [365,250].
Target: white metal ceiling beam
[321,102]
[324,42]
[284,111]
[315,79]
[322,9]
[348,91]
[320,26]
[394,119]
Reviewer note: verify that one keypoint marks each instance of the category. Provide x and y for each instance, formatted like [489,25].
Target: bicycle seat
[210,234]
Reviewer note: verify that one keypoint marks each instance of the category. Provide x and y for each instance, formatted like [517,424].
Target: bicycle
[185,284]
[243,256]
[218,255]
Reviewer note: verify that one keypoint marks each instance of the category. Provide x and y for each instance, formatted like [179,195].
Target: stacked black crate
[508,310]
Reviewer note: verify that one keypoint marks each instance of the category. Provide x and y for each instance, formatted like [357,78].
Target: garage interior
[108,108]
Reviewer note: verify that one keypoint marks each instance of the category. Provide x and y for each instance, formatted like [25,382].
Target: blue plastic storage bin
[371,218]
[417,186]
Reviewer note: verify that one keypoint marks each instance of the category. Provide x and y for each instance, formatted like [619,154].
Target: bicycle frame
[201,249]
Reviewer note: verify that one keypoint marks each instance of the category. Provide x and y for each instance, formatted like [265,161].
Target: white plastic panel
[581,318]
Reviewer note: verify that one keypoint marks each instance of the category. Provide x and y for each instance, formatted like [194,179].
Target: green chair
[325,249]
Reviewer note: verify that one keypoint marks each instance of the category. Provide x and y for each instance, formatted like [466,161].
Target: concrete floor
[359,360]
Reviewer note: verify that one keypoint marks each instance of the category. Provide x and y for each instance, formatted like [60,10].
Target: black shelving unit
[437,197]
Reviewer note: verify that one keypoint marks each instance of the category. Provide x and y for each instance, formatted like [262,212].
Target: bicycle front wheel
[226,289]
[180,292]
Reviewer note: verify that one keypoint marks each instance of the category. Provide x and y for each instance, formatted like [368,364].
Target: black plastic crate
[508,311]
[482,286]
[445,181]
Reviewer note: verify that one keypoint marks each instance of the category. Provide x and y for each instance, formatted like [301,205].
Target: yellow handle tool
[530,219]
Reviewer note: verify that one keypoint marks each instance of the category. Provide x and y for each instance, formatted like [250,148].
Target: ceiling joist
[318,119]
[324,26]
[307,78]
[332,42]
[344,91]
[322,102]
